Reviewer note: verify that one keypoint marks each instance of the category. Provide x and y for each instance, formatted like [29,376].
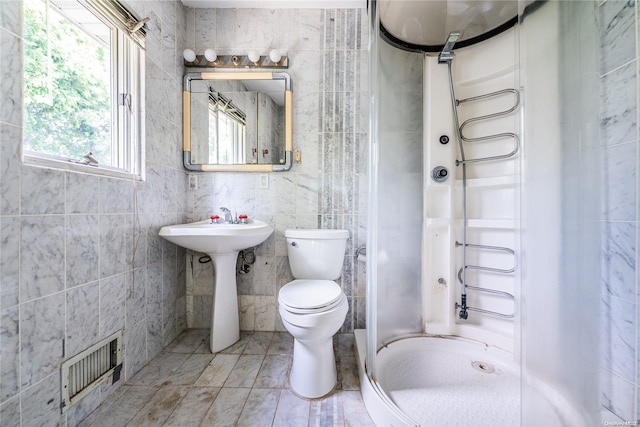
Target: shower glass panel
[560,234]
[395,265]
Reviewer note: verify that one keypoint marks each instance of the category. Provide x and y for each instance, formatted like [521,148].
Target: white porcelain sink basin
[222,242]
[202,236]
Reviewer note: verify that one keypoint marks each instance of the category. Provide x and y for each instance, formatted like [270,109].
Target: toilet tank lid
[305,233]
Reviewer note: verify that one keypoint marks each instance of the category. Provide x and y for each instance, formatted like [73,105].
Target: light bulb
[275,56]
[210,55]
[253,56]
[189,55]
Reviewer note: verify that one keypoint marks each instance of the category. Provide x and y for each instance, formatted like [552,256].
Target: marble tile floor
[243,385]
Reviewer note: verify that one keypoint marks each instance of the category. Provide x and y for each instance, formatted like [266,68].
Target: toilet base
[313,371]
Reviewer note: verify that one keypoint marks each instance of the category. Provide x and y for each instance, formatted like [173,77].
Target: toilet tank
[316,254]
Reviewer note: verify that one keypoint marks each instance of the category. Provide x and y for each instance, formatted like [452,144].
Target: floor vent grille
[85,371]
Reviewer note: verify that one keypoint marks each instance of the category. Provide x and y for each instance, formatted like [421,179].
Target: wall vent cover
[85,371]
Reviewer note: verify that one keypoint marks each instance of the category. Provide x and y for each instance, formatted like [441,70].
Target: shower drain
[485,367]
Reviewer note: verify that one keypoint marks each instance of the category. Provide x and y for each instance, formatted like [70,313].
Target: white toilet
[313,307]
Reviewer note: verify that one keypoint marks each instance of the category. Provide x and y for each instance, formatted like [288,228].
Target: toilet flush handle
[294,244]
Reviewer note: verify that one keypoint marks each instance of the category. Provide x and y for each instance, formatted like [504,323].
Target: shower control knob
[439,174]
[444,139]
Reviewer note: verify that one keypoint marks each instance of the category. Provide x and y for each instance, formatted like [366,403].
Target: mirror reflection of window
[227,130]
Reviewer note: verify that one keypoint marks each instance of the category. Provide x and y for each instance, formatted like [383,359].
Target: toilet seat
[304,296]
[315,320]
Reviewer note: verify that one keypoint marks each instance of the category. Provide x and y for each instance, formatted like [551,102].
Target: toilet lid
[309,294]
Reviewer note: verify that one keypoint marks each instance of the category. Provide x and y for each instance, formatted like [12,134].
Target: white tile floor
[244,385]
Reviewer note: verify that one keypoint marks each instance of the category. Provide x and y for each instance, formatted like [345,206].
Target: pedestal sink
[221,242]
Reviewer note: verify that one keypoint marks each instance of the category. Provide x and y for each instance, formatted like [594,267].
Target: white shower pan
[448,381]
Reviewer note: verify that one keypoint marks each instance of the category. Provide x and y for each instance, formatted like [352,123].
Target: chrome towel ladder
[490,269]
[462,306]
[516,140]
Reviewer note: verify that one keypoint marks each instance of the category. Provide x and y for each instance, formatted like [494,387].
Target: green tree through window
[67,112]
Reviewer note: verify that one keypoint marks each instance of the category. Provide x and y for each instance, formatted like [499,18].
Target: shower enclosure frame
[372,213]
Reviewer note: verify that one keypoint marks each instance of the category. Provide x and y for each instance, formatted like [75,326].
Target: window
[227,127]
[83,86]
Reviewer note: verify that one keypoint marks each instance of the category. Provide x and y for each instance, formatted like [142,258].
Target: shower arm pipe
[454,104]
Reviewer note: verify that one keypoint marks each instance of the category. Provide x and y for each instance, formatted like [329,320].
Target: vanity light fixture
[210,55]
[275,56]
[253,59]
[189,55]
[253,56]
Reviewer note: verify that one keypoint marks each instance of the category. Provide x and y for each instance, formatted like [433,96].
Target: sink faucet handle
[214,219]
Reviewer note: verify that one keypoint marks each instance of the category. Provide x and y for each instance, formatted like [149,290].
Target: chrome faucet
[228,218]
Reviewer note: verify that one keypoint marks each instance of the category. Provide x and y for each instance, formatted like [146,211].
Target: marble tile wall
[80,256]
[620,340]
[327,52]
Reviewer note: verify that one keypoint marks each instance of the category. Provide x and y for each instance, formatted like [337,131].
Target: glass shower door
[394,258]
[560,234]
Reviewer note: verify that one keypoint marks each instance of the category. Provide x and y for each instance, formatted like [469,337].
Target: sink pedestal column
[225,322]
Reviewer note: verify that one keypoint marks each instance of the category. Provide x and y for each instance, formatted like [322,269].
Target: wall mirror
[237,121]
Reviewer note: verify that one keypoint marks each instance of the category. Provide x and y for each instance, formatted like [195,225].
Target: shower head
[446,55]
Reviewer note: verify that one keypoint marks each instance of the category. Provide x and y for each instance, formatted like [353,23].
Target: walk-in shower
[482,301]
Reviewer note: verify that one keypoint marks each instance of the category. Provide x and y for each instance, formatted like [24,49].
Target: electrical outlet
[193,181]
[264,180]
